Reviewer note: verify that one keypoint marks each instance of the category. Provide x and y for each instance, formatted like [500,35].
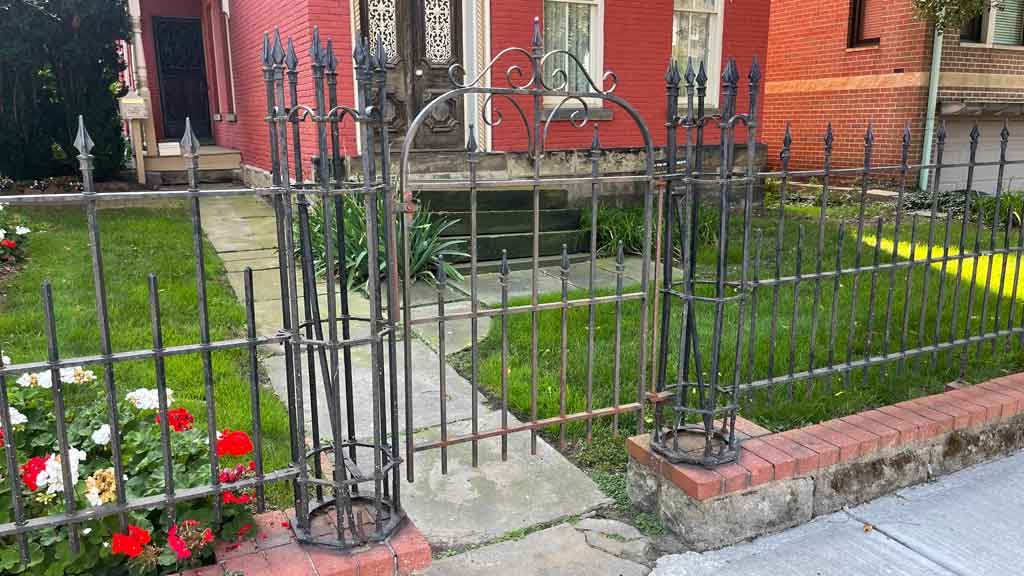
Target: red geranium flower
[232,498]
[177,544]
[234,443]
[207,536]
[9,244]
[130,544]
[30,471]
[179,419]
[244,530]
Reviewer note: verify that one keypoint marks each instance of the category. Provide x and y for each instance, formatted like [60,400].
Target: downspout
[933,101]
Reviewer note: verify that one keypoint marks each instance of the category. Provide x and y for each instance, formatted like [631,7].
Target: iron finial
[503,270]
[565,260]
[471,141]
[315,48]
[83,142]
[830,136]
[1004,134]
[975,134]
[942,132]
[689,75]
[537,40]
[787,138]
[278,52]
[595,143]
[291,59]
[265,52]
[731,76]
[359,53]
[906,135]
[380,53]
[189,142]
[672,75]
[330,60]
[755,72]
[702,75]
[869,135]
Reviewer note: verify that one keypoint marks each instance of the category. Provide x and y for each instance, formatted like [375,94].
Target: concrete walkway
[469,506]
[967,524]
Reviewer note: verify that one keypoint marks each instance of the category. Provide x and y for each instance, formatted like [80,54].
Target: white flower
[3,233]
[86,531]
[21,230]
[40,379]
[147,398]
[4,359]
[101,436]
[52,476]
[76,375]
[93,496]
[17,418]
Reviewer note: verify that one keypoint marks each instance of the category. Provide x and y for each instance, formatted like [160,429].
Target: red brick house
[200,58]
[855,61]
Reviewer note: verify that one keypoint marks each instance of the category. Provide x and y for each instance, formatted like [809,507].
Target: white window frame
[714,65]
[596,69]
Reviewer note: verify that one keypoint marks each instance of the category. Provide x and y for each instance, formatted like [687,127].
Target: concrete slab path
[470,506]
[967,524]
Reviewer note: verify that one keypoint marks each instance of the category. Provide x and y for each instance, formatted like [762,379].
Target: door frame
[159,70]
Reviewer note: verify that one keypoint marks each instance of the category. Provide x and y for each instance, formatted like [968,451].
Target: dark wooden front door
[181,69]
[422,38]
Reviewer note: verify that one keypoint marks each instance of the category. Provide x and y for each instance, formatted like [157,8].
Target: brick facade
[637,47]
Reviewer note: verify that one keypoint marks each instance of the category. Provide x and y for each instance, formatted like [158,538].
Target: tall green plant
[59,59]
[427,244]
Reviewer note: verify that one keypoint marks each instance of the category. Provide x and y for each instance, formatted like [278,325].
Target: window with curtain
[866,19]
[696,35]
[573,25]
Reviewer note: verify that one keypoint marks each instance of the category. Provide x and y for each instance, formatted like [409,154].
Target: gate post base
[275,550]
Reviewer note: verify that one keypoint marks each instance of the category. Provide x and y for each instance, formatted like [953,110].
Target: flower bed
[154,543]
[13,234]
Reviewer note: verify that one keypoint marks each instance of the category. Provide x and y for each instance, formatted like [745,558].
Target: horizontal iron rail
[491,312]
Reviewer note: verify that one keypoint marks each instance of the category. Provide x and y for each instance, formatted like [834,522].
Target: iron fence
[722,325]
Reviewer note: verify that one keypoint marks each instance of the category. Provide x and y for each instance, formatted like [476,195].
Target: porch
[179,67]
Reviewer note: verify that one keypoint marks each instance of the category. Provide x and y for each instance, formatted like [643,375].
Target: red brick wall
[814,78]
[249,19]
[979,60]
[638,45]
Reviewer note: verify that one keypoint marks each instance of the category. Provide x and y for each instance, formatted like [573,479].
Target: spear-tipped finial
[442,276]
[380,52]
[595,143]
[975,134]
[906,135]
[755,72]
[315,48]
[731,76]
[565,261]
[277,52]
[537,41]
[869,135]
[1004,134]
[330,60]
[83,142]
[702,75]
[787,138]
[265,52]
[672,74]
[189,142]
[471,141]
[942,132]
[830,136]
[689,75]
[291,59]
[360,54]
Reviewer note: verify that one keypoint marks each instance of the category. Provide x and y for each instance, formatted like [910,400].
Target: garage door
[958,149]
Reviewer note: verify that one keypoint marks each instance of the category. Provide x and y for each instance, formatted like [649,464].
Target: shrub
[1011,206]
[154,543]
[59,59]
[426,243]
[626,225]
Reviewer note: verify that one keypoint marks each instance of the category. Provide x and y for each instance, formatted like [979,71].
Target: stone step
[457,200]
[509,221]
[520,245]
[494,266]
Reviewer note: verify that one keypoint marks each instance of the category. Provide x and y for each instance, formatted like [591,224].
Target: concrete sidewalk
[966,524]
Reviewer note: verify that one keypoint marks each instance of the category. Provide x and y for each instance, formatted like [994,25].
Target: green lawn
[859,335]
[135,243]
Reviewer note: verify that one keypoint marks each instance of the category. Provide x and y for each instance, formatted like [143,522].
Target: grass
[863,319]
[135,243]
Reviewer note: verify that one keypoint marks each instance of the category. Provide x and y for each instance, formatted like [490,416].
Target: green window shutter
[1009,22]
